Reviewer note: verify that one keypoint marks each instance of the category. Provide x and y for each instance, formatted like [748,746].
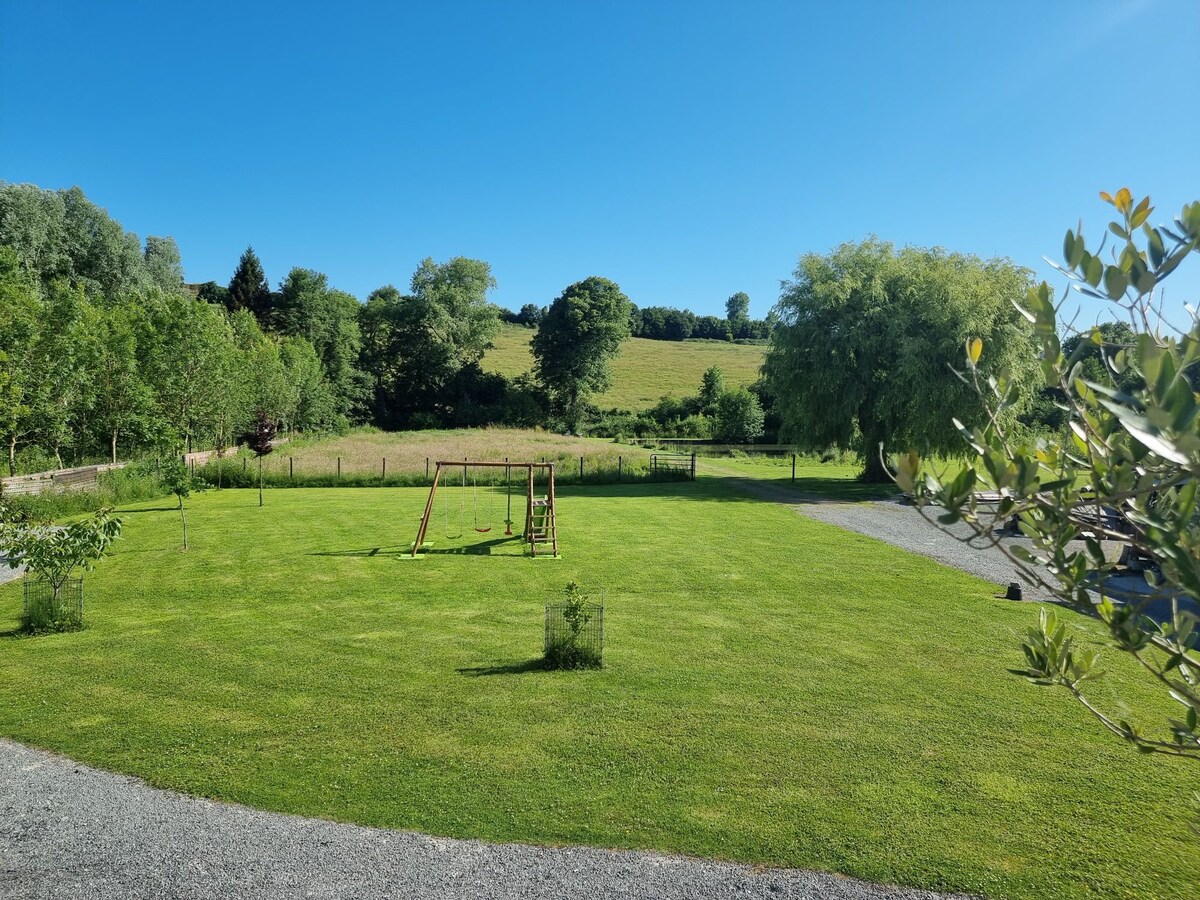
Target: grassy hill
[646,370]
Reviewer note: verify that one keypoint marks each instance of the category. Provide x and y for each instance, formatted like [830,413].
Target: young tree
[53,552]
[862,356]
[580,334]
[1129,472]
[248,288]
[179,480]
[261,441]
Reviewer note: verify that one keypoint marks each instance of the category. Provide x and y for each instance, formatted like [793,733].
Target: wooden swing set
[540,522]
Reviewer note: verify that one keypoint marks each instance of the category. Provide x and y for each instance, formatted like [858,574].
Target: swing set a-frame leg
[428,512]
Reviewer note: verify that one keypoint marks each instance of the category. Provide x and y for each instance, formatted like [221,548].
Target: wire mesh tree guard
[574,636]
[50,609]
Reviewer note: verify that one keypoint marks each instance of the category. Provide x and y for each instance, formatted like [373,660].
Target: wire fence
[282,470]
[48,608]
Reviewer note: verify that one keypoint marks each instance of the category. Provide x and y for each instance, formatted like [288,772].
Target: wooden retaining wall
[83,478]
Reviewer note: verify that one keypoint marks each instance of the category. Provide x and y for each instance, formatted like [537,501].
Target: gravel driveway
[69,831]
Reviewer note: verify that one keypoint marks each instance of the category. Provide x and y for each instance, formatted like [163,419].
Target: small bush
[48,610]
[574,632]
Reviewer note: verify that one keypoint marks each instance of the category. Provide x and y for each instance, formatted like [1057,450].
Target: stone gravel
[70,831]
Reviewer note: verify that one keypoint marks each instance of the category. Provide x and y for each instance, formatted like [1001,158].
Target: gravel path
[7,573]
[69,831]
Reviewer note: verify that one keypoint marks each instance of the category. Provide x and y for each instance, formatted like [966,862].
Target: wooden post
[581,470]
[339,468]
[383,475]
[793,468]
[291,468]
[427,468]
[693,465]
[618,468]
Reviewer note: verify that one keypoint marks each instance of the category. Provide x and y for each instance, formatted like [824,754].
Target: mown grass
[832,480]
[775,691]
[645,371]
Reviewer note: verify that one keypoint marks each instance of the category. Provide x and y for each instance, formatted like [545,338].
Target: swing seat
[484,530]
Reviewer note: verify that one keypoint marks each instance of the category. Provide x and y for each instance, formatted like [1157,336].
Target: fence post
[618,468]
[291,469]
[793,468]
[193,466]
[427,468]
[693,465]
[383,475]
[339,468]
[581,469]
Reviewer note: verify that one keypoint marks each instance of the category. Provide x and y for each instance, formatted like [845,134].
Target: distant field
[646,370]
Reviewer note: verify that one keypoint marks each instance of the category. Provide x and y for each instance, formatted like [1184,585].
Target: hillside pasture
[645,371]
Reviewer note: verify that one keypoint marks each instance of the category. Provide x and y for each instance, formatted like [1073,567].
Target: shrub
[574,632]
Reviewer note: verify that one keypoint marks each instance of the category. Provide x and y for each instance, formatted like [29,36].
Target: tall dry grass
[369,456]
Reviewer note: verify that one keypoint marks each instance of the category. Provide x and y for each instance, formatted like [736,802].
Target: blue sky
[686,150]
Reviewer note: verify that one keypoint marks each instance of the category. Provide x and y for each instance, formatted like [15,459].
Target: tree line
[105,351]
[666,323]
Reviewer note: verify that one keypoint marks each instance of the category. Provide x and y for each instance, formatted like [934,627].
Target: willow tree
[863,357]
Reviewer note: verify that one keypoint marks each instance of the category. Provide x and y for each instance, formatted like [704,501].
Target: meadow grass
[362,453]
[775,691]
[645,371]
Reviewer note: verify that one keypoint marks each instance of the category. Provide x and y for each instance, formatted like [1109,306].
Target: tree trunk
[260,481]
[183,518]
[12,455]
[874,471]
[114,446]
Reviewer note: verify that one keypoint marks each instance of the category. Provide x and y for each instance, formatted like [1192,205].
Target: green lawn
[777,691]
[835,481]
[645,370]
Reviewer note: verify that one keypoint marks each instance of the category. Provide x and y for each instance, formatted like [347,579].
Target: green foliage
[739,418]
[53,552]
[248,288]
[578,338]
[177,478]
[421,348]
[861,358]
[1127,471]
[712,386]
[567,648]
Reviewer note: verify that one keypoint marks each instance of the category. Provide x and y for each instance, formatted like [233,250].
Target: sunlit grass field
[363,452]
[645,370]
[776,691]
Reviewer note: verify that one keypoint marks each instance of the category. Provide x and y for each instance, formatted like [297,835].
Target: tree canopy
[867,337]
[578,337]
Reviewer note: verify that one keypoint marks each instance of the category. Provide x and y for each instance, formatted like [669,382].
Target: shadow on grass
[146,509]
[537,664]
[483,548]
[743,488]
